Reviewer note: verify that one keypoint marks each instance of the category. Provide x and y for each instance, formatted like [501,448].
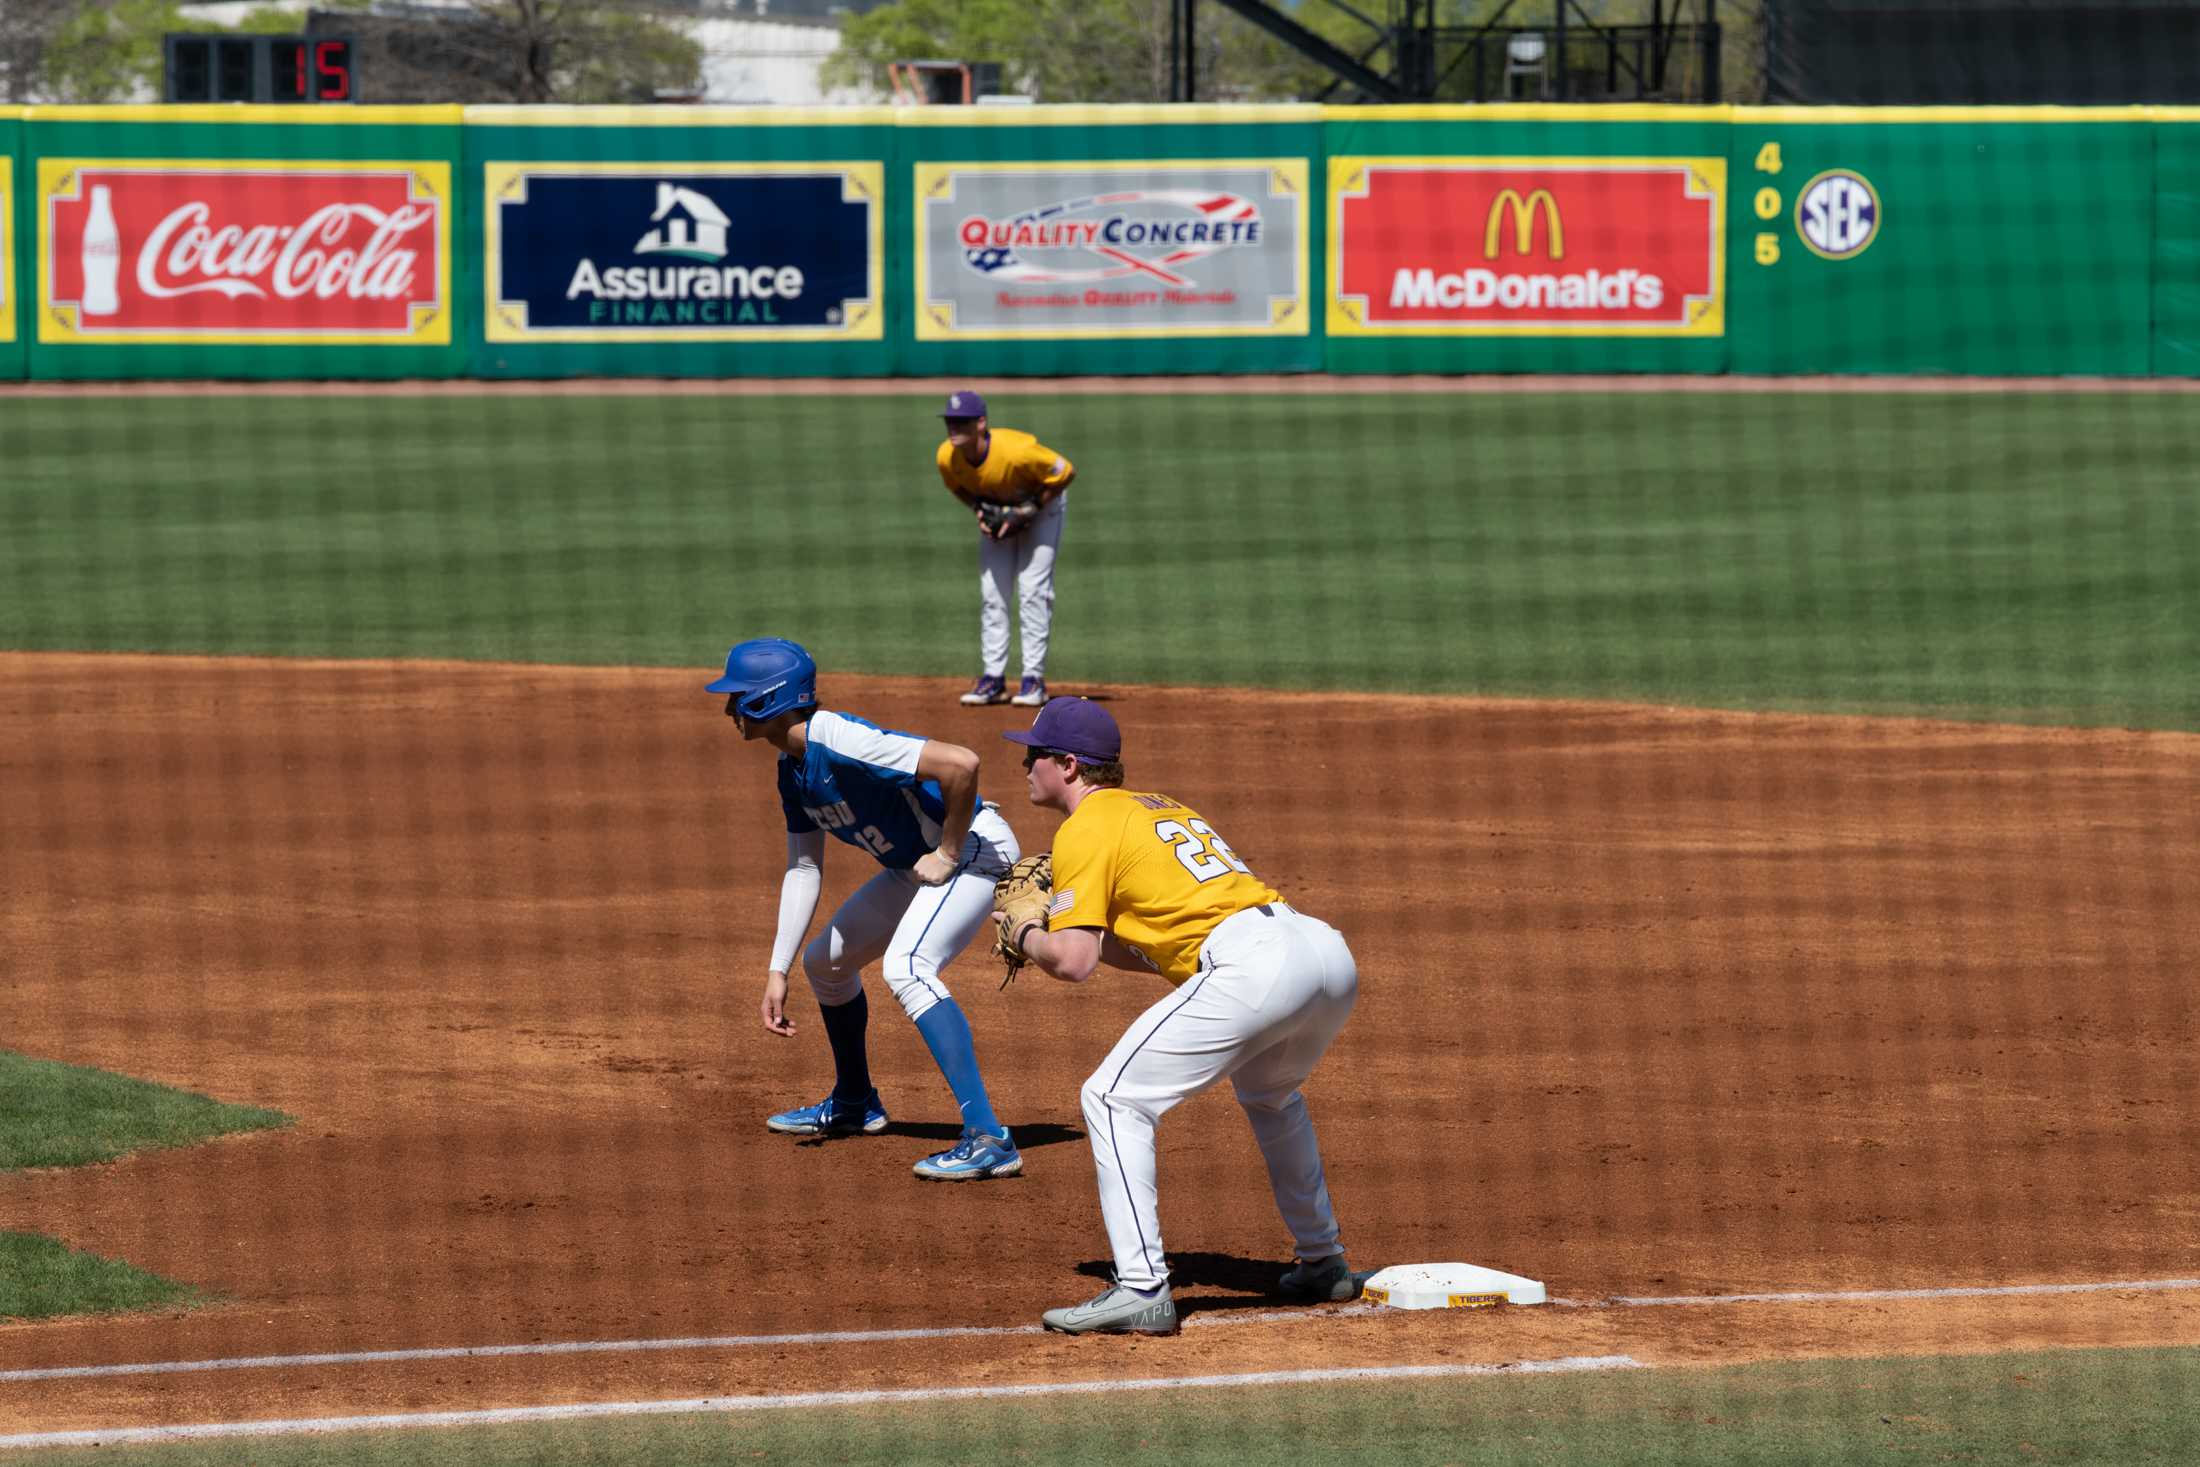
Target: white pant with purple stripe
[911,931]
[1274,987]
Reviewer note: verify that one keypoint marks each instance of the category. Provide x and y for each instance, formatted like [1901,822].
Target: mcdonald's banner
[1470,246]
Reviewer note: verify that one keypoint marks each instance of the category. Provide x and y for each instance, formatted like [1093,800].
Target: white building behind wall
[755,52]
[759,61]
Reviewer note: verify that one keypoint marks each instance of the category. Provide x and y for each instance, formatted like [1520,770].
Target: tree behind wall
[483,51]
[1072,50]
[574,51]
[27,28]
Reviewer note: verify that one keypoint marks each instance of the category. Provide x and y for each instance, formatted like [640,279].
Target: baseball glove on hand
[1001,521]
[1019,899]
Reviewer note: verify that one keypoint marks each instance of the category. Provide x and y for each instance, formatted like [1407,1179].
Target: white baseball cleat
[1116,1310]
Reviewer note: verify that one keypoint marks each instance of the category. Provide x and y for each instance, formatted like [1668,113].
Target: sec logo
[1837,214]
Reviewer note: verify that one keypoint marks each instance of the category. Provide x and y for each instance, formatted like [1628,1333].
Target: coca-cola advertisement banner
[1189,247]
[619,252]
[1527,246]
[266,252]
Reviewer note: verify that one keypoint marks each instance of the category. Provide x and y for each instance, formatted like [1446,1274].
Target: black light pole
[1176,34]
[1564,91]
[1191,51]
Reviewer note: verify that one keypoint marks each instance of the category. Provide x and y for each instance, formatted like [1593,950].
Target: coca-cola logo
[198,251]
[289,260]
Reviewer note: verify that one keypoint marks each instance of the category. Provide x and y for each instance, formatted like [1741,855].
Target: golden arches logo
[1523,222]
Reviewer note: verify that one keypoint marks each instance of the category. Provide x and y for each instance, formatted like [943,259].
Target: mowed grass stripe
[2107,1407]
[53,1114]
[2032,557]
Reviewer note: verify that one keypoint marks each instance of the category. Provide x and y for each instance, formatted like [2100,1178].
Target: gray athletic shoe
[1328,1282]
[1116,1310]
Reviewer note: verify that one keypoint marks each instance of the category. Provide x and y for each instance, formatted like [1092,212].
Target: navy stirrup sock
[947,1033]
[844,1026]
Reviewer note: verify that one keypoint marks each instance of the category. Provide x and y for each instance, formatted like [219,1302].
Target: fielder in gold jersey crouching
[1259,991]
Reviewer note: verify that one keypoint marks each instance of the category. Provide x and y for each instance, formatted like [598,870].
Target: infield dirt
[1655,1002]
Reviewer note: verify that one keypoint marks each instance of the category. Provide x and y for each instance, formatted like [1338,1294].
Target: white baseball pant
[1274,987]
[1025,563]
[911,930]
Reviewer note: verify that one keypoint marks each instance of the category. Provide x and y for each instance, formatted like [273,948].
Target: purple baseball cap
[1073,726]
[963,404]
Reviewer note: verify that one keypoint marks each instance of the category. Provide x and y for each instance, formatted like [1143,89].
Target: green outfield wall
[2013,241]
[378,242]
[2176,263]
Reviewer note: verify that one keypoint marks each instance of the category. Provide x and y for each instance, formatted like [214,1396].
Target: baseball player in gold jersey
[1259,990]
[1015,486]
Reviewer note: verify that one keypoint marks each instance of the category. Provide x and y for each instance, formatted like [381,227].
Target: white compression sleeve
[798,891]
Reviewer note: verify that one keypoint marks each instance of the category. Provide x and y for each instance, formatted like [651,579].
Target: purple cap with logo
[963,404]
[1073,726]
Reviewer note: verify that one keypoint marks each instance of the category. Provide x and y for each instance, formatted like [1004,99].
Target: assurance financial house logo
[1528,246]
[244,250]
[1178,248]
[696,252]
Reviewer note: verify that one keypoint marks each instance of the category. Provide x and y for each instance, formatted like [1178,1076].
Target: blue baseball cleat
[973,1159]
[830,1117]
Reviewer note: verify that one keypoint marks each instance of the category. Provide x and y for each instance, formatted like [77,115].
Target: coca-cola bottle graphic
[102,255]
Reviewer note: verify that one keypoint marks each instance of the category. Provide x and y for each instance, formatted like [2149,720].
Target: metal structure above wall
[1528,50]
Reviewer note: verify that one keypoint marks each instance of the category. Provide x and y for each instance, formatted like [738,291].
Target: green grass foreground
[2028,556]
[53,1114]
[42,1278]
[2095,1407]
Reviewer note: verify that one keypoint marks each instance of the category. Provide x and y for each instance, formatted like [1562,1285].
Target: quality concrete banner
[1186,247]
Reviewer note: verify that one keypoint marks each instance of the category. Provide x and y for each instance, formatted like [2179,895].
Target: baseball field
[1765,821]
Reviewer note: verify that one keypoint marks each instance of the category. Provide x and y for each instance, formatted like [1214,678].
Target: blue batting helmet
[768,676]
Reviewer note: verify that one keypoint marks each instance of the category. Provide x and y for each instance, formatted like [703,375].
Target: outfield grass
[65,1115]
[2097,1407]
[2032,557]
[42,1278]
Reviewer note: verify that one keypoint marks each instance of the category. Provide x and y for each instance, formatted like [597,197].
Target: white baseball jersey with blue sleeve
[859,782]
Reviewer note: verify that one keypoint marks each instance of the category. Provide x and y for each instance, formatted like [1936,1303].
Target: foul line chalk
[620,1347]
[714,1404]
[881,1336]
[1866,1296]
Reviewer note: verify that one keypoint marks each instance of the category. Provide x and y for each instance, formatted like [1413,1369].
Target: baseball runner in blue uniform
[912,804]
